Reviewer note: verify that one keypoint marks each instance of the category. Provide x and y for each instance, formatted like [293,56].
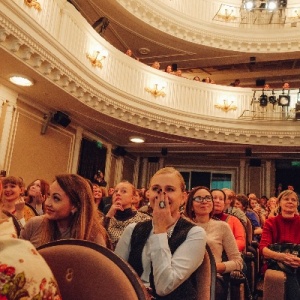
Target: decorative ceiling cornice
[210,34]
[121,106]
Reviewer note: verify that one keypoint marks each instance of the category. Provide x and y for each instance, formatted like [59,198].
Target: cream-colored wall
[33,155]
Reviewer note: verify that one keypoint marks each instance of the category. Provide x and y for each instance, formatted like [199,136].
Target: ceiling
[223,66]
[193,59]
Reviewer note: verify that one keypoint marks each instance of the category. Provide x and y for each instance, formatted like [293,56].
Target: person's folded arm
[171,271]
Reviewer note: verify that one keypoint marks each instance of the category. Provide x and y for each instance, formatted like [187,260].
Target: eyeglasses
[200,199]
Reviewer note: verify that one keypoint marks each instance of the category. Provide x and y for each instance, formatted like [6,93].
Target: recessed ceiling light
[21,80]
[137,139]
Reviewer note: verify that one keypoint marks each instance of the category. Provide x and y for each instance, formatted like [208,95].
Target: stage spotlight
[263,99]
[272,5]
[249,4]
[272,99]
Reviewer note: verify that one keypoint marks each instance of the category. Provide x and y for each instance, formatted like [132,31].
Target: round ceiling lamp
[21,80]
[137,139]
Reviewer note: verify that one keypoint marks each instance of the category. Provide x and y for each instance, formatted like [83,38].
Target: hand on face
[162,217]
[114,208]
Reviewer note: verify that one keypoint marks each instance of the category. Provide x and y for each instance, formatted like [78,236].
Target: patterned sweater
[116,225]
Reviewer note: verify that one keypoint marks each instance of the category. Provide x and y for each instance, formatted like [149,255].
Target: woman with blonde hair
[167,250]
[280,242]
[70,213]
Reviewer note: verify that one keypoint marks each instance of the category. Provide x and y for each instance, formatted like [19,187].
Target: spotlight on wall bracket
[284,99]
[263,99]
[272,99]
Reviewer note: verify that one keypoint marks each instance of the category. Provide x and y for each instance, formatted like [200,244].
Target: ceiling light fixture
[137,139]
[21,80]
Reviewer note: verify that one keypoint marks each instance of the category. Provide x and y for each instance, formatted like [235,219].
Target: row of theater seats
[86,264]
[85,270]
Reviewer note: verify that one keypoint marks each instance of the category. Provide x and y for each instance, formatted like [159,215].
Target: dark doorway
[288,173]
[92,158]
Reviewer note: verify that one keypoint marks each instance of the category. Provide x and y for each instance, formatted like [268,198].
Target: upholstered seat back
[206,277]
[274,285]
[85,270]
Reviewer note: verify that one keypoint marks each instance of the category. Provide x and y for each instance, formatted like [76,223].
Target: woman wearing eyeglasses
[199,208]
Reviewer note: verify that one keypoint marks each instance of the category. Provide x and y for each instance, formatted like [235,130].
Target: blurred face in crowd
[219,202]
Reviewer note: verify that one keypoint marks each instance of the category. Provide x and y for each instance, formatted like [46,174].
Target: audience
[169,69]
[99,193]
[284,229]
[19,261]
[130,53]
[235,224]
[167,250]
[70,213]
[243,203]
[229,207]
[13,200]
[37,192]
[199,208]
[156,65]
[235,83]
[121,214]
[99,178]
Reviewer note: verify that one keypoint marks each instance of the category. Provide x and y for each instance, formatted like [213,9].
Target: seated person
[121,214]
[37,192]
[284,228]
[199,208]
[167,250]
[230,208]
[13,200]
[70,213]
[18,263]
[234,223]
[242,203]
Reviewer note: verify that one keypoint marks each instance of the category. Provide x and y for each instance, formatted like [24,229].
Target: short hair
[13,180]
[287,193]
[243,199]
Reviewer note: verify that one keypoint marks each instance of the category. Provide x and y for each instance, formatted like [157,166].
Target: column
[10,97]
[119,169]
[136,172]
[144,182]
[76,151]
[268,178]
[108,165]
[241,188]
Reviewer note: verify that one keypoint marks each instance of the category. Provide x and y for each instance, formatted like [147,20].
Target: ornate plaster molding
[118,104]
[210,34]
